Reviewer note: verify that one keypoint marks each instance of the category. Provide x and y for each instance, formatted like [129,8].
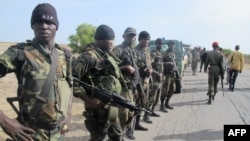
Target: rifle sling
[46,88]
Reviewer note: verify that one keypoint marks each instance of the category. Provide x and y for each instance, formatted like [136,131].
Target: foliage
[84,35]
[227,52]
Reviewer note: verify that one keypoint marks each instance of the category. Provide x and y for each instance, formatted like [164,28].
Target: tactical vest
[168,63]
[106,73]
[157,58]
[31,74]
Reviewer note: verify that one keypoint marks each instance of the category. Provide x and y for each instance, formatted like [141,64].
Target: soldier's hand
[16,130]
[149,70]
[94,103]
[131,69]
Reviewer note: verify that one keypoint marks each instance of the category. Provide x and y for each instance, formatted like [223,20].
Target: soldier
[128,68]
[44,76]
[169,72]
[236,63]
[195,59]
[203,56]
[143,61]
[98,68]
[156,59]
[215,60]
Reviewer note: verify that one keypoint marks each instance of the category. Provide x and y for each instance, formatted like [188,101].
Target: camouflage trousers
[195,65]
[155,87]
[99,125]
[124,113]
[168,87]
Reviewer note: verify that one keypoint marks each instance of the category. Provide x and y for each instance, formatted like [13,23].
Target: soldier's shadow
[193,90]
[193,136]
[197,102]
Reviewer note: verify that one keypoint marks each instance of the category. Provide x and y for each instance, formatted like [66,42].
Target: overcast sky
[195,22]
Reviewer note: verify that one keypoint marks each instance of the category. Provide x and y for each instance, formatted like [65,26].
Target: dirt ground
[8,86]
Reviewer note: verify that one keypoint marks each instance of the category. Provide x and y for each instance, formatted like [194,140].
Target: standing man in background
[156,85]
[98,68]
[215,70]
[128,67]
[143,61]
[236,64]
[195,59]
[203,56]
[169,72]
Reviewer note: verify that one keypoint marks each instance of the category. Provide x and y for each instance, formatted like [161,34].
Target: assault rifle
[109,97]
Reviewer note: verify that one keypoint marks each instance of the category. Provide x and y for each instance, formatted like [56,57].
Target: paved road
[194,120]
[191,120]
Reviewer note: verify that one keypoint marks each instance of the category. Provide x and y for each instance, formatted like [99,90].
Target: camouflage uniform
[155,88]
[195,60]
[168,85]
[216,68]
[98,68]
[143,61]
[35,71]
[126,55]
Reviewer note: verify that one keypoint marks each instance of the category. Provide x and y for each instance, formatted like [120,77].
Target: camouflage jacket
[127,57]
[34,72]
[143,60]
[156,59]
[98,69]
[169,63]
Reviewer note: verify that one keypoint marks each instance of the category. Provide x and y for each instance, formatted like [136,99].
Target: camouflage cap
[130,30]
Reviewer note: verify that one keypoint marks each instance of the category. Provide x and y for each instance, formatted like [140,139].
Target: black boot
[167,104]
[163,109]
[146,118]
[138,126]
[209,100]
[153,112]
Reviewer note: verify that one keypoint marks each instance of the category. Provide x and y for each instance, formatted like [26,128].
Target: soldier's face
[129,39]
[172,47]
[159,45]
[44,31]
[144,42]
[106,45]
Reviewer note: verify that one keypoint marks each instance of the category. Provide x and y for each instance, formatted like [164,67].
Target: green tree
[226,51]
[84,35]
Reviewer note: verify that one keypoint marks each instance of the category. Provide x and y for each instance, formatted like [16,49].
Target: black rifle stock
[19,99]
[109,97]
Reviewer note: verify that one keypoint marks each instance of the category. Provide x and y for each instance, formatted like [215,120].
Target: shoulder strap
[46,88]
